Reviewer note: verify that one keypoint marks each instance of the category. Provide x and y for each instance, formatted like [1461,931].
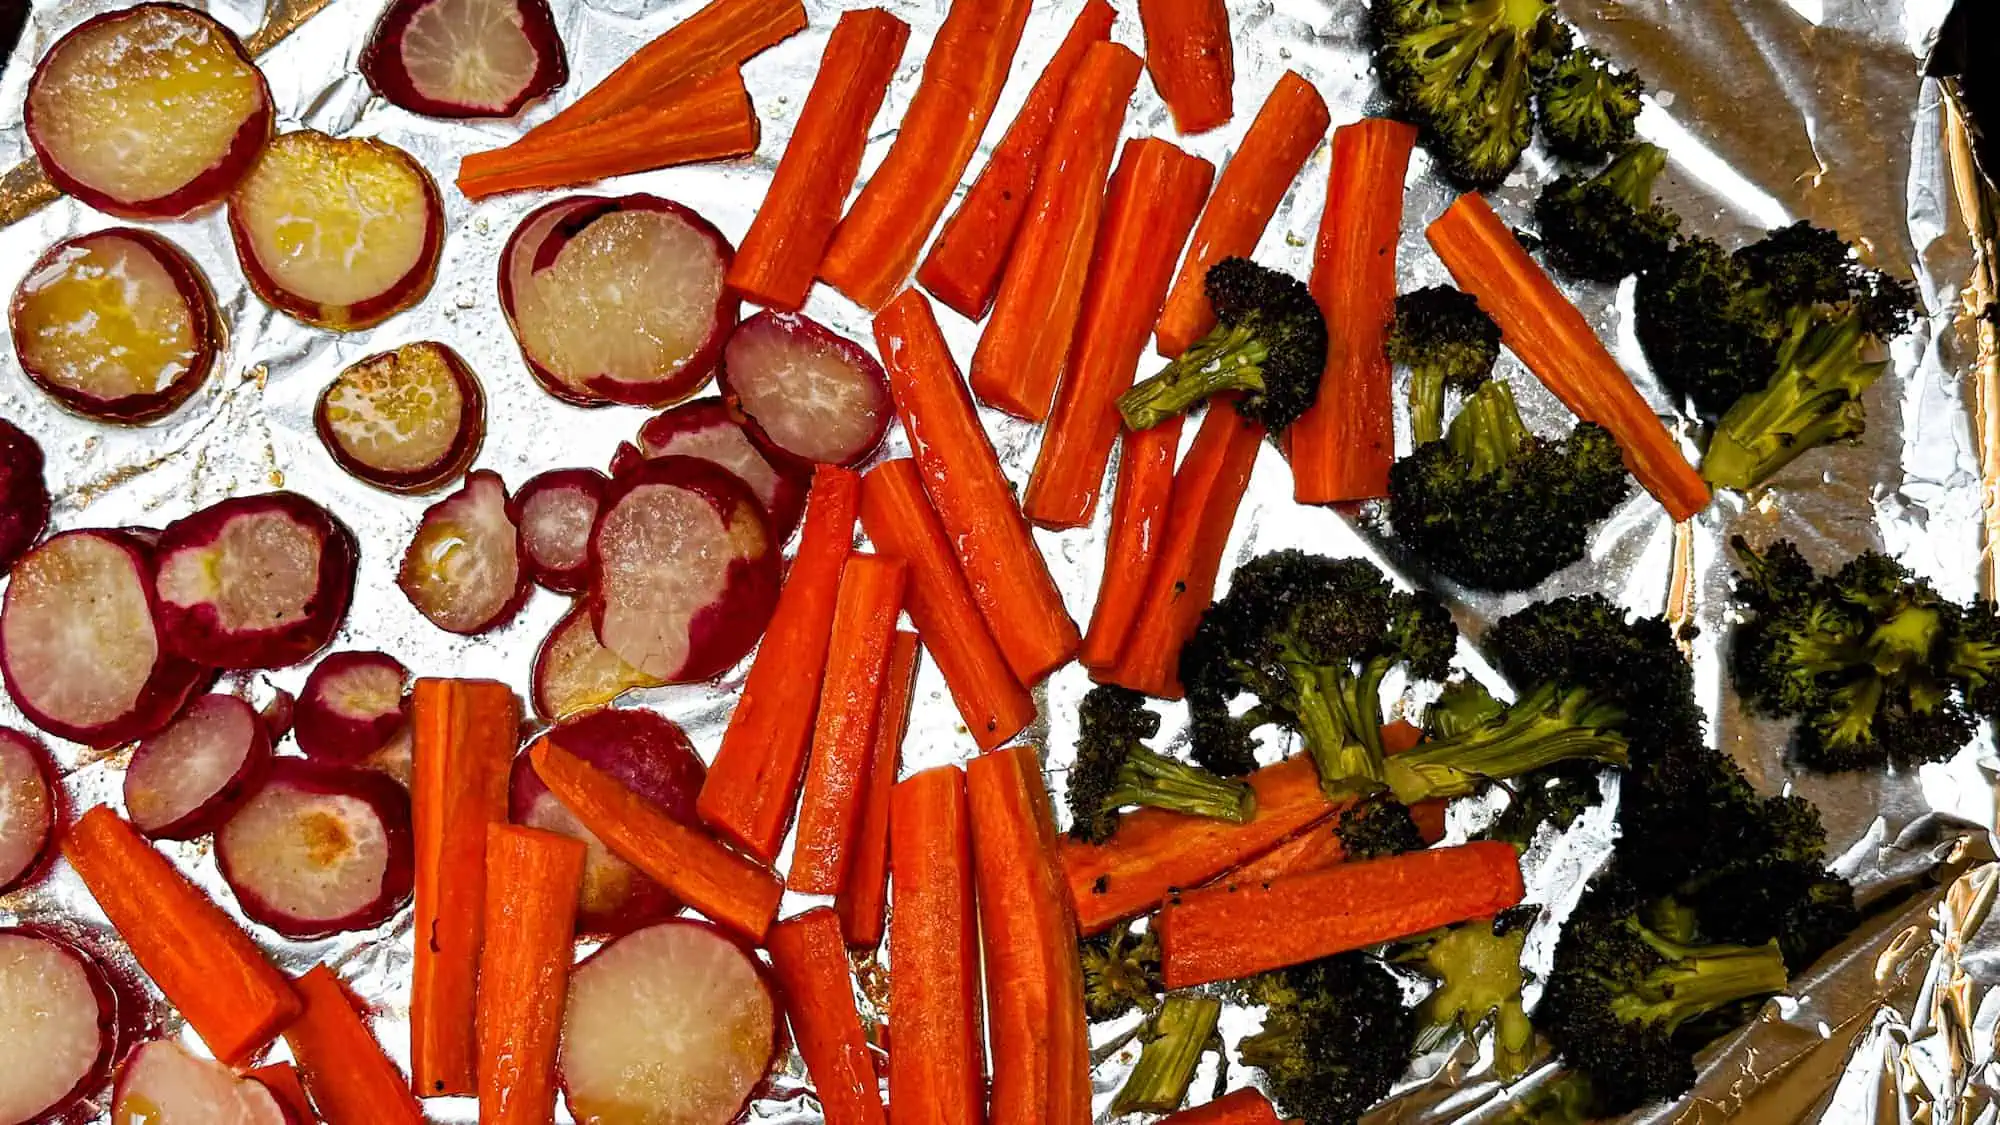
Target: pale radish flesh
[27,808]
[160,1083]
[706,429]
[407,420]
[553,514]
[24,494]
[58,1026]
[186,780]
[465,58]
[352,705]
[320,850]
[670,1025]
[806,392]
[255,581]
[574,672]
[463,568]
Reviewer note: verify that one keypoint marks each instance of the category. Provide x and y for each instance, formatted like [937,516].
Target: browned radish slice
[465,58]
[554,513]
[684,570]
[320,850]
[463,569]
[160,1083]
[340,233]
[804,391]
[24,495]
[397,760]
[407,420]
[58,1026]
[117,325]
[574,673]
[149,112]
[352,706]
[278,714]
[706,429]
[80,640]
[674,1024]
[255,581]
[187,779]
[618,300]
[28,808]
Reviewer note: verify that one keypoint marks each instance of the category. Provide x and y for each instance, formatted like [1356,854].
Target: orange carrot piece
[1155,195]
[1192,62]
[864,897]
[780,255]
[351,1079]
[204,963]
[282,1079]
[1140,508]
[1008,576]
[1237,930]
[810,960]
[1285,132]
[1341,449]
[1020,356]
[524,970]
[754,783]
[901,523]
[734,892]
[1542,327]
[877,244]
[965,263]
[937,1067]
[850,701]
[1238,1107]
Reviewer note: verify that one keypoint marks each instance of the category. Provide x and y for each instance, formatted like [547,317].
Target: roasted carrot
[901,523]
[754,783]
[524,970]
[877,244]
[864,896]
[810,961]
[734,892]
[1341,449]
[1006,572]
[350,1078]
[1154,197]
[204,963]
[850,701]
[936,1071]
[779,256]
[1238,1107]
[965,263]
[1020,356]
[1542,327]
[1028,932]
[1139,512]
[1283,135]
[282,1079]
[1192,62]
[465,732]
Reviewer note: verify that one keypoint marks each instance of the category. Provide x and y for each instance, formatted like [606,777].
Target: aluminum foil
[1771,110]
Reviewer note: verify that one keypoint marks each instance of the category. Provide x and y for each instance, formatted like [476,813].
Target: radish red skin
[804,332]
[24,495]
[196,631]
[386,800]
[225,798]
[674,432]
[112,1024]
[36,862]
[382,64]
[465,444]
[327,732]
[587,486]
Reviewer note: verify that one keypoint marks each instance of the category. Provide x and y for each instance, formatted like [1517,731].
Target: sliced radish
[463,569]
[320,850]
[58,1026]
[706,429]
[804,391]
[352,707]
[674,1024]
[255,581]
[24,495]
[684,570]
[160,1083]
[81,644]
[28,808]
[575,673]
[149,112]
[117,325]
[186,780]
[397,759]
[279,713]
[618,300]
[554,513]
[342,233]
[465,58]
[407,420]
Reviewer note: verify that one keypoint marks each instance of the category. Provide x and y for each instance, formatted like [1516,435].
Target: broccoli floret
[1494,507]
[1586,106]
[1377,827]
[1606,227]
[1477,967]
[1555,796]
[1174,1039]
[1115,769]
[1464,71]
[1975,658]
[1448,343]
[1798,903]
[1335,1037]
[1268,345]
[1586,641]
[1706,326]
[1121,972]
[1550,725]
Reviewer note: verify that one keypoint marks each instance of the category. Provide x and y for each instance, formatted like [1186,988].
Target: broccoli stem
[1426,404]
[1699,980]
[1229,358]
[1340,716]
[1180,1032]
[1814,399]
[1546,727]
[1154,780]
[1488,433]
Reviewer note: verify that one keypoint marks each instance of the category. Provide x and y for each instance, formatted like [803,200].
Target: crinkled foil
[1772,110]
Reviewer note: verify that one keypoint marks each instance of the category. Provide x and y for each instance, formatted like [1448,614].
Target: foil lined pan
[1771,109]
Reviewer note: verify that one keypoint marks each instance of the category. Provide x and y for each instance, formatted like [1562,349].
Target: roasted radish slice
[58,1026]
[574,672]
[352,706]
[27,808]
[160,1083]
[684,570]
[339,233]
[804,391]
[278,714]
[24,495]
[149,112]
[255,581]
[670,1025]
[705,429]
[188,779]
[117,325]
[320,850]
[554,513]
[465,58]
[407,420]
[618,300]
[463,570]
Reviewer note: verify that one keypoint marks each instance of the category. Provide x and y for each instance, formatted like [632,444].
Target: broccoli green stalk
[1477,967]
[1550,725]
[1813,400]
[1448,343]
[1587,109]
[1607,227]
[1268,346]
[1115,770]
[1335,1037]
[1463,705]
[1464,72]
[1121,972]
[1174,1040]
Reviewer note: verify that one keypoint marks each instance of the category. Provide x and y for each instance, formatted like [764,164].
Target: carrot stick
[1283,135]
[204,963]
[1341,449]
[850,700]
[282,1079]
[1008,576]
[937,1066]
[1233,931]
[901,523]
[350,1078]
[810,961]
[731,891]
[754,783]
[465,732]
[1139,512]
[877,244]
[1541,326]
[779,256]
[864,896]
[1238,1107]
[1028,932]
[1189,55]
[964,266]
[1020,356]
[524,970]
[1155,195]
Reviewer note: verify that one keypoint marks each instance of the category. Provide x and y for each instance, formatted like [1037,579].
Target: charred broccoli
[1377,827]
[1115,769]
[1464,72]
[1587,107]
[1448,343]
[1335,1037]
[1173,1040]
[1268,345]
[1607,226]
[1121,972]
